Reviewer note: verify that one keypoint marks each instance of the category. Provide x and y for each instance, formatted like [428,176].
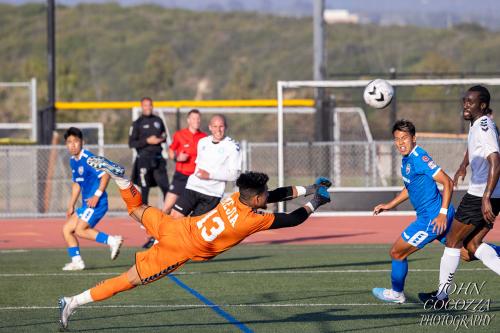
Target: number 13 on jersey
[215,230]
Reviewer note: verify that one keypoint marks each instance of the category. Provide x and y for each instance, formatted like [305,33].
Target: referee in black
[146,136]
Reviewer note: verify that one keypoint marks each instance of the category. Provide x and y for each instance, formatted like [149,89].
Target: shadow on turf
[270,297]
[73,319]
[92,268]
[216,260]
[319,318]
[300,239]
[355,264]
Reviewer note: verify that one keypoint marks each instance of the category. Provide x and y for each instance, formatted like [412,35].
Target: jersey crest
[484,124]
[408,168]
[80,170]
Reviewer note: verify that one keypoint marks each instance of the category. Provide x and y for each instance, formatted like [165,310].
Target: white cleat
[74,266]
[108,166]
[115,243]
[66,309]
[387,295]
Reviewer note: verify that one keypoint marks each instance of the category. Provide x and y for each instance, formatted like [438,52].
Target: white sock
[449,265]
[122,183]
[111,240]
[396,293]
[83,298]
[76,258]
[489,257]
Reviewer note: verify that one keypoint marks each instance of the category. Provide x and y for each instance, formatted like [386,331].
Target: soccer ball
[378,93]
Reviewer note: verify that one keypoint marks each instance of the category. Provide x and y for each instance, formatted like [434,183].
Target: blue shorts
[420,233]
[92,215]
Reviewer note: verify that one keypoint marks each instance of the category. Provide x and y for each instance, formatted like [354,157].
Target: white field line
[13,251]
[362,214]
[287,271]
[180,306]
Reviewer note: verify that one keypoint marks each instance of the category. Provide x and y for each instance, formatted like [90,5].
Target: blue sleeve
[426,165]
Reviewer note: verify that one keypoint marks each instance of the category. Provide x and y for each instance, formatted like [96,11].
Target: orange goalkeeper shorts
[168,254]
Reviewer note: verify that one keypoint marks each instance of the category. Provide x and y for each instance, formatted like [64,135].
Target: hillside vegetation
[106,52]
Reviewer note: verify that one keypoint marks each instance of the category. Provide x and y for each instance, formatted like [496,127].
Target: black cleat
[431,299]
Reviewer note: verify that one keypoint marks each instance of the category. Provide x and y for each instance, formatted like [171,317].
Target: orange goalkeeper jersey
[222,228]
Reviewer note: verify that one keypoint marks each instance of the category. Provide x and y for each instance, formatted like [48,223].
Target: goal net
[358,153]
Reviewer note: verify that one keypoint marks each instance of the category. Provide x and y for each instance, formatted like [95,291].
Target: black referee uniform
[150,168]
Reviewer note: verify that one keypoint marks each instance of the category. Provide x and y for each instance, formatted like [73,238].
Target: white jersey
[222,160]
[482,141]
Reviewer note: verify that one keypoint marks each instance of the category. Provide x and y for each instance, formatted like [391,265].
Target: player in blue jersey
[434,212]
[92,185]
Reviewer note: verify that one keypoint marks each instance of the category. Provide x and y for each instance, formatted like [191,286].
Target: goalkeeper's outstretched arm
[292,192]
[298,216]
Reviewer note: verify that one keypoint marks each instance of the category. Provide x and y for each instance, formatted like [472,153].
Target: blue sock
[398,274]
[73,251]
[102,238]
[496,248]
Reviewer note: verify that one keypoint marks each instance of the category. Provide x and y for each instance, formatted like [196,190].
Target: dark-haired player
[195,238]
[481,204]
[92,185]
[434,212]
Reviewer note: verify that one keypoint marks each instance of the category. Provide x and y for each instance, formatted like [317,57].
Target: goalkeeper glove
[321,197]
[320,181]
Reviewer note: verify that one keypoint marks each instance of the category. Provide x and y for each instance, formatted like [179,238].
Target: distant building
[333,16]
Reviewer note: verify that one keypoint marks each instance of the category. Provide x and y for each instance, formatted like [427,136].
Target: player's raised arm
[284,220]
[401,197]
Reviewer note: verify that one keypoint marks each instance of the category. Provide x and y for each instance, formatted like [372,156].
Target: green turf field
[275,288]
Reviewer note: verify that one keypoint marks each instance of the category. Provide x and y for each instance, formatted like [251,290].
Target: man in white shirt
[218,161]
[481,204]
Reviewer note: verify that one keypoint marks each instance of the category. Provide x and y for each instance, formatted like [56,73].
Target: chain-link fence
[36,180]
[349,164]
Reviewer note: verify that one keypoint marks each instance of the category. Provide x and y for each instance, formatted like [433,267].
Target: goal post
[31,109]
[336,84]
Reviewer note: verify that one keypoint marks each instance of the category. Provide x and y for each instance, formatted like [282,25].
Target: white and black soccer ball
[378,93]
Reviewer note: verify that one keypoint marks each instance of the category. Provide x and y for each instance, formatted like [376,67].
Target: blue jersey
[418,170]
[87,177]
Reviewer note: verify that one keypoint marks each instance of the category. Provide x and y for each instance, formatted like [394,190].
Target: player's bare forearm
[493,174]
[103,184]
[75,193]
[462,169]
[465,161]
[401,197]
[442,178]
